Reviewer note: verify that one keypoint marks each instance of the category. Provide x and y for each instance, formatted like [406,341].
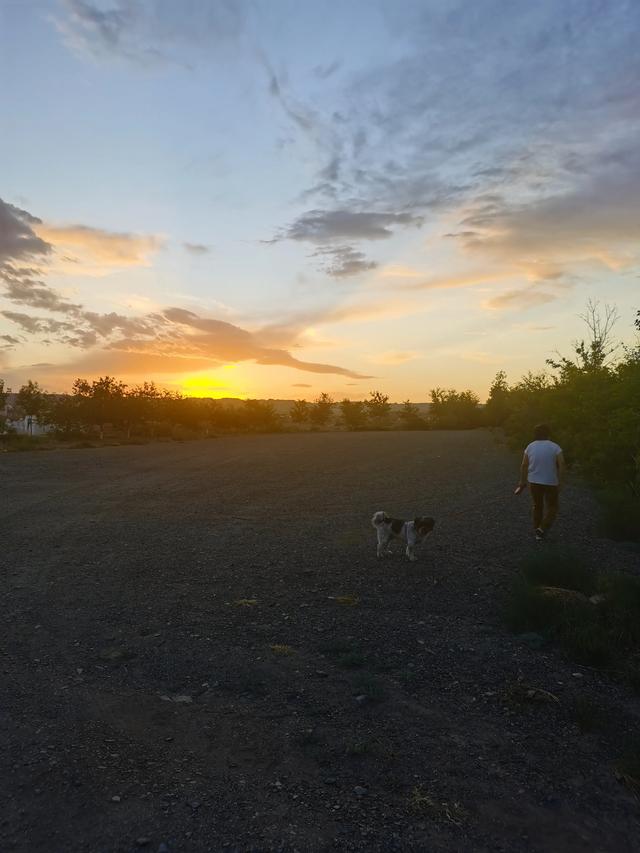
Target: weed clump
[594,616]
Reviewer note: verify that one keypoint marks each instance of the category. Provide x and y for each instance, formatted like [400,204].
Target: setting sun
[207,385]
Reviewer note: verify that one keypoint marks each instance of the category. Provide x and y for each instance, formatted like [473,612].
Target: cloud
[37,325]
[344,261]
[528,297]
[149,32]
[173,333]
[84,250]
[21,288]
[325,226]
[301,385]
[598,219]
[197,248]
[18,240]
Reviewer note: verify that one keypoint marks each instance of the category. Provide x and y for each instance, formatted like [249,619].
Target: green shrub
[620,513]
[563,567]
[550,597]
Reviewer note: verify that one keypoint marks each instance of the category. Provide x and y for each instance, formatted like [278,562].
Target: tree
[142,406]
[496,409]
[353,414]
[594,354]
[260,415]
[100,402]
[410,416]
[452,409]
[378,407]
[322,410]
[31,400]
[4,392]
[299,412]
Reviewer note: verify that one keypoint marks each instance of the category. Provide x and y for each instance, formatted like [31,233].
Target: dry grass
[282,649]
[423,802]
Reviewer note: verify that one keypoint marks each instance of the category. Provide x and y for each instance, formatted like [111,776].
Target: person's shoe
[539,534]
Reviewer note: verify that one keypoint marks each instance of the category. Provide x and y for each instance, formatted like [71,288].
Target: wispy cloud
[174,333]
[81,249]
[325,226]
[197,248]
[344,261]
[148,32]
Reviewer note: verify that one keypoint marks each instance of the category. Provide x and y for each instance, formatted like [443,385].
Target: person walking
[542,469]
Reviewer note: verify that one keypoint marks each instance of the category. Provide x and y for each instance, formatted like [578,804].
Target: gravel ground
[200,651]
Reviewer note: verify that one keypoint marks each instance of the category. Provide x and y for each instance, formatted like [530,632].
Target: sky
[276,198]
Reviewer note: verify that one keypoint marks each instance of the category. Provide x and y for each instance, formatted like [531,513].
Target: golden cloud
[82,250]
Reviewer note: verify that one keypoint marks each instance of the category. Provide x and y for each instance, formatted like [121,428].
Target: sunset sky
[274,198]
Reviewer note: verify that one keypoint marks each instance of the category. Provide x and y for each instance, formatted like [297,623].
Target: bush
[550,596]
[562,567]
[620,513]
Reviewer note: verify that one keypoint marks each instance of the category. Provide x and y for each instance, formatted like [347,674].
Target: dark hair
[541,432]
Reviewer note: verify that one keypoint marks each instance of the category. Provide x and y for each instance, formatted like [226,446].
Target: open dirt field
[200,651]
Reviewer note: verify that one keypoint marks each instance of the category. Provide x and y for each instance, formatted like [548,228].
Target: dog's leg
[412,540]
[383,543]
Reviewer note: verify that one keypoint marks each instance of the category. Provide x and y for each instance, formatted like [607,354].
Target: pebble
[115,798]
[143,841]
[360,791]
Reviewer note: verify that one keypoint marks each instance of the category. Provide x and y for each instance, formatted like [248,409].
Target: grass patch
[246,602]
[351,660]
[587,715]
[563,568]
[423,802]
[23,443]
[627,768]
[282,649]
[554,596]
[620,514]
[346,600]
[356,748]
[366,685]
[519,693]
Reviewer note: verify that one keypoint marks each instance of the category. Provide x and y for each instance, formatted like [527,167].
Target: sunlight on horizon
[207,385]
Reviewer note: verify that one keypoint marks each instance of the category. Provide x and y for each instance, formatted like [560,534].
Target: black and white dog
[411,532]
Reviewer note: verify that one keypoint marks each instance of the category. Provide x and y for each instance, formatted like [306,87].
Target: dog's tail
[378,518]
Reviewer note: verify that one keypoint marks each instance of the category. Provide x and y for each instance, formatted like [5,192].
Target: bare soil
[201,652]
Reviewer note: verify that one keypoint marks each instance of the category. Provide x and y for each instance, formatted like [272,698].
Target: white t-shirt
[542,455]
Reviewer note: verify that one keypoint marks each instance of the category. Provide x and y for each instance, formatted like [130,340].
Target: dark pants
[545,504]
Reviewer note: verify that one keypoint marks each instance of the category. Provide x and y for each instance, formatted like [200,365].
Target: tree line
[591,398]
[148,411]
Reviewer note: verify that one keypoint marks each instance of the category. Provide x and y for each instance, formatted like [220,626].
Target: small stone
[143,841]
[360,791]
[116,798]
[577,674]
[361,698]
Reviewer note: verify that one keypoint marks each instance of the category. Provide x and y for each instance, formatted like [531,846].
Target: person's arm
[561,467]
[524,470]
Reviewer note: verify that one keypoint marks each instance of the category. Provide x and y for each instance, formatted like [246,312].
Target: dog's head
[423,525]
